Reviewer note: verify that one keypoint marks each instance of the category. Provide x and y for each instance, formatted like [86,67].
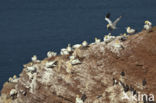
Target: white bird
[112,25]
[31,69]
[72,57]
[64,52]
[130,30]
[117,44]
[10,79]
[75,61]
[34,58]
[51,54]
[13,92]
[123,37]
[97,40]
[50,64]
[76,46]
[84,44]
[108,38]
[69,48]
[148,25]
[14,77]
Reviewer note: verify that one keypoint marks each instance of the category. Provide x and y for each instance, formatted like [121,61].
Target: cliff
[106,72]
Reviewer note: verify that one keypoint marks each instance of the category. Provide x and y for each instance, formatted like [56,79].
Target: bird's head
[69,45]
[128,28]
[96,38]
[146,22]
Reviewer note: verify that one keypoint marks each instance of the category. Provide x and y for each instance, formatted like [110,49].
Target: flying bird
[111,25]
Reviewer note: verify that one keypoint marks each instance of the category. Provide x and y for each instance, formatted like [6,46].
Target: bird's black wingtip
[108,15]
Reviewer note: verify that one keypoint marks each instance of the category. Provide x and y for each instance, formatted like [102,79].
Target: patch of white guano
[33,83]
[46,76]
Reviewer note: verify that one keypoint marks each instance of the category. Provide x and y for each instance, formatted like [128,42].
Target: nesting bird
[111,25]
[64,52]
[72,57]
[117,44]
[75,61]
[76,46]
[34,58]
[31,69]
[13,93]
[123,37]
[51,64]
[69,48]
[84,44]
[108,38]
[130,30]
[14,79]
[51,54]
[148,25]
[97,40]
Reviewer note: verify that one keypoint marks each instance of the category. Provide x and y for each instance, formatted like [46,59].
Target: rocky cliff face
[117,70]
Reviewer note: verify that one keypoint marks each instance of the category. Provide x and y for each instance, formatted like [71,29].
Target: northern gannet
[75,61]
[123,37]
[72,57]
[117,44]
[51,54]
[108,38]
[34,58]
[69,48]
[31,69]
[64,52]
[84,44]
[97,40]
[148,25]
[50,64]
[130,30]
[76,46]
[13,92]
[14,77]
[10,79]
[111,25]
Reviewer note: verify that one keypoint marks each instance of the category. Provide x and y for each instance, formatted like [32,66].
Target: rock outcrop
[118,71]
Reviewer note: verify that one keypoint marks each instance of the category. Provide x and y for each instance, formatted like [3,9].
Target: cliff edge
[117,70]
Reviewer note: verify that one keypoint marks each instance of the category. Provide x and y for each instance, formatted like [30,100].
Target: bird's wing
[108,20]
[117,20]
